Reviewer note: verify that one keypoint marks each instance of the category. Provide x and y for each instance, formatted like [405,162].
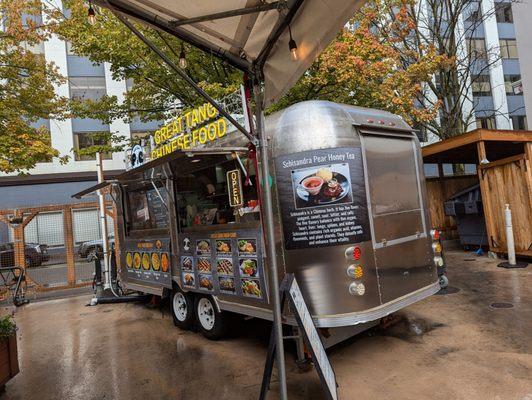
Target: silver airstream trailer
[350,212]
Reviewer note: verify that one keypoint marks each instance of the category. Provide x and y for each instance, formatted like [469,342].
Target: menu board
[223,262]
[322,195]
[148,261]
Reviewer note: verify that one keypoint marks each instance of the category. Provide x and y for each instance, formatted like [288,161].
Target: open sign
[234,185]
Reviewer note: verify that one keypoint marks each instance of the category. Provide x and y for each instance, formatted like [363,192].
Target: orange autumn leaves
[362,67]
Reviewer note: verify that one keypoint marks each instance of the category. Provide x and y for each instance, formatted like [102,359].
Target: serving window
[203,196]
[146,208]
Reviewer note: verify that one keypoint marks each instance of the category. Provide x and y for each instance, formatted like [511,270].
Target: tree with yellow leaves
[363,68]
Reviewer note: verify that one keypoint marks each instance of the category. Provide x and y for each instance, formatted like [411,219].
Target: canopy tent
[255,36]
[251,35]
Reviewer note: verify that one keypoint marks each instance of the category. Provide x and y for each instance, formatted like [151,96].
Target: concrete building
[52,182]
[501,73]
[503,33]
[493,42]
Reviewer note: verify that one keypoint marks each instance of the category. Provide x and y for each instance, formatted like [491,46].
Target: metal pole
[227,14]
[267,213]
[183,75]
[103,225]
[509,235]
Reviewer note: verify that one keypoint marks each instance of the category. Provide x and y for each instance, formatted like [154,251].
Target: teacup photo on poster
[322,185]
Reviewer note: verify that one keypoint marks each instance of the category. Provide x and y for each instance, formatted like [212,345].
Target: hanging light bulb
[91,15]
[292,46]
[182,58]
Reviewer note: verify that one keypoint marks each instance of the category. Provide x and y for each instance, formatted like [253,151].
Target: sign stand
[289,288]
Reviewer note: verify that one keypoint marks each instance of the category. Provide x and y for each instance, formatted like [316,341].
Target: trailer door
[399,227]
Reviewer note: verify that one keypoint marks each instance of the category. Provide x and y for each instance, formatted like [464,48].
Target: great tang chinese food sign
[191,129]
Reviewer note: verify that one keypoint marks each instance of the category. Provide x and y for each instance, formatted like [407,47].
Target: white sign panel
[324,366]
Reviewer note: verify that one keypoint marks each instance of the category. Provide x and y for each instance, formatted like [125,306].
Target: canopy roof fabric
[251,35]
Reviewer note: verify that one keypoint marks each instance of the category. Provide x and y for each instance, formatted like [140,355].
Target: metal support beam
[267,213]
[118,6]
[228,14]
[183,75]
[276,33]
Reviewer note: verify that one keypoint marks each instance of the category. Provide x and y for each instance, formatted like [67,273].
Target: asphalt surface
[454,346]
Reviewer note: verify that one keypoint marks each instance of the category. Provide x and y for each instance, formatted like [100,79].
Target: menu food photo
[226,263]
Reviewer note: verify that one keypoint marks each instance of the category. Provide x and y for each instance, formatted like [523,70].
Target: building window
[87,87]
[480,85]
[477,49]
[519,122]
[486,123]
[35,48]
[513,84]
[84,140]
[503,13]
[508,48]
[474,13]
[129,84]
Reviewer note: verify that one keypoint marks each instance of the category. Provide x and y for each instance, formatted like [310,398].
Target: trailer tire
[212,323]
[183,309]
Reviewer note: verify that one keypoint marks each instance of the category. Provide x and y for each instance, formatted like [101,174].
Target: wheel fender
[216,304]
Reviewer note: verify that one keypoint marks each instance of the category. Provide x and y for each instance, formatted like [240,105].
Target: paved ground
[446,347]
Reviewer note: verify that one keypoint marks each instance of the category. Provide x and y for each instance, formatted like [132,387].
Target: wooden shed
[504,171]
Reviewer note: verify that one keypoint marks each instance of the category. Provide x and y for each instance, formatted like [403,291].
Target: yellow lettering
[157,136]
[186,140]
[187,119]
[195,117]
[211,111]
[195,136]
[222,127]
[202,135]
[211,131]
[202,113]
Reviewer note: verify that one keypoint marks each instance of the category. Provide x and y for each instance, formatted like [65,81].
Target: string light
[91,15]
[182,58]
[292,46]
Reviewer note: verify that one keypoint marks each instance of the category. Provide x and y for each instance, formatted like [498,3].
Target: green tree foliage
[26,88]
[156,89]
[364,68]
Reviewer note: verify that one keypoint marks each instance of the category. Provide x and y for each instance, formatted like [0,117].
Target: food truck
[350,213]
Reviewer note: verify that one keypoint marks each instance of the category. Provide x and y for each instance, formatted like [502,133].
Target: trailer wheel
[212,324]
[444,281]
[183,309]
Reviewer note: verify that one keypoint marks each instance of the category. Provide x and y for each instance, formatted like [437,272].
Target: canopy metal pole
[103,225]
[227,14]
[267,212]
[183,75]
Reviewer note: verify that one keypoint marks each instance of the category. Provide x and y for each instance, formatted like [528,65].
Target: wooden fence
[508,181]
[65,267]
